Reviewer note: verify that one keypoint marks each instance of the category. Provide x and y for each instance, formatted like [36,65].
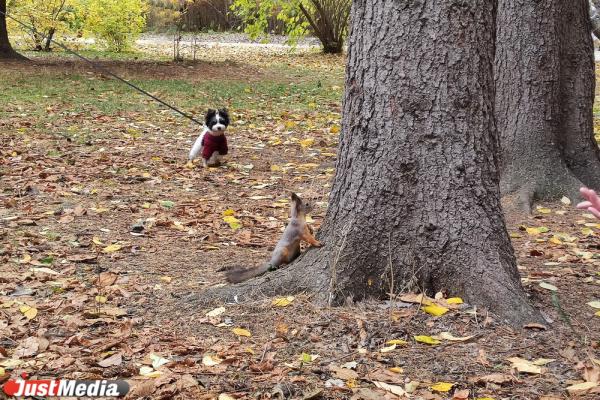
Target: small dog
[212,144]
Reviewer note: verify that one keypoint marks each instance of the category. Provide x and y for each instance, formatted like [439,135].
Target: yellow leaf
[233,222]
[587,231]
[335,129]
[515,235]
[543,210]
[307,358]
[229,211]
[597,313]
[442,387]
[26,258]
[532,231]
[555,240]
[307,142]
[397,370]
[241,332]
[454,300]
[166,279]
[101,299]
[427,340]
[282,301]
[2,372]
[290,124]
[435,310]
[397,341]
[276,168]
[112,248]
[28,312]
[351,383]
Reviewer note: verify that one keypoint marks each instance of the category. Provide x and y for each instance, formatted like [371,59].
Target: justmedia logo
[65,388]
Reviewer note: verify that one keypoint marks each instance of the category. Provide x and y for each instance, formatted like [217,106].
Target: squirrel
[288,247]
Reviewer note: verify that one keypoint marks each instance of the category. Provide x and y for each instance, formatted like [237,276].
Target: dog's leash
[103,69]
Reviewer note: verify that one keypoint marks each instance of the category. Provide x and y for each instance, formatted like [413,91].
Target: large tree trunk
[415,202]
[544,98]
[577,92]
[6,50]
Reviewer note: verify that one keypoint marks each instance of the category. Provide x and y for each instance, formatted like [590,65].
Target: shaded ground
[84,160]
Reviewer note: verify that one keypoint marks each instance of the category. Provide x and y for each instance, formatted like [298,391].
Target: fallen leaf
[452,338]
[399,342]
[523,365]
[107,278]
[211,361]
[543,361]
[454,300]
[548,286]
[427,340]
[216,312]
[115,359]
[435,310]
[307,358]
[581,388]
[397,390]
[461,394]
[241,332]
[233,222]
[149,372]
[44,270]
[111,248]
[225,396]
[388,349]
[343,373]
[565,200]
[283,301]
[28,311]
[158,361]
[442,387]
[594,304]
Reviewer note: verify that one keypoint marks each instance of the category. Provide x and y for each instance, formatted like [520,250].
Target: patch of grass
[49,94]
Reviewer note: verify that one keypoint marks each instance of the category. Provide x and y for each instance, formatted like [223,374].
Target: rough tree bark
[6,50]
[415,202]
[544,98]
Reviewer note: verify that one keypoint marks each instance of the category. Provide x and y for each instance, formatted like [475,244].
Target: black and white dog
[212,144]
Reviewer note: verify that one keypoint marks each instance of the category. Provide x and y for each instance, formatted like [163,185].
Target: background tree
[544,99]
[415,200]
[327,19]
[115,23]
[6,50]
[48,17]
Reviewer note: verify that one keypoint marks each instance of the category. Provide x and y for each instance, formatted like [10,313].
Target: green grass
[46,95]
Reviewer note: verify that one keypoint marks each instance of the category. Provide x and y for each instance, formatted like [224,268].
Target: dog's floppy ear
[209,115]
[224,114]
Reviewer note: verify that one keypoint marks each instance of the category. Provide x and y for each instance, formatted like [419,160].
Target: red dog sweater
[213,143]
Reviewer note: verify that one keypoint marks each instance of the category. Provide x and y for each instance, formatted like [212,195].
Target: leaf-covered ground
[106,232]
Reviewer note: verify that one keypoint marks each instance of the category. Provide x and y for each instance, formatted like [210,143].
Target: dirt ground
[106,240]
